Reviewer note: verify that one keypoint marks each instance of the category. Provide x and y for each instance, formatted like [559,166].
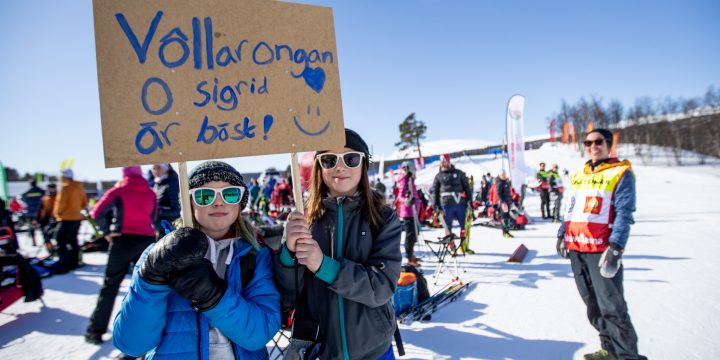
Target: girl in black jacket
[341,261]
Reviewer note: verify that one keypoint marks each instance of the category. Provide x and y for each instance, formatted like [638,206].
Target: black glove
[610,261]
[175,252]
[561,248]
[201,285]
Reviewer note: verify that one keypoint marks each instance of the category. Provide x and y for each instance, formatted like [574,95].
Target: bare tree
[712,97]
[599,115]
[689,106]
[668,106]
[615,112]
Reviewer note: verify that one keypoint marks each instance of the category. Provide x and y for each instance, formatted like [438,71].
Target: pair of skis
[432,304]
[465,244]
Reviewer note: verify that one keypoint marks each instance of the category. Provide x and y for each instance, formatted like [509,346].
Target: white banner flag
[515,142]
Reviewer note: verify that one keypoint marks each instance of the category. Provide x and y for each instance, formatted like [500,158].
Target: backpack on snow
[412,289]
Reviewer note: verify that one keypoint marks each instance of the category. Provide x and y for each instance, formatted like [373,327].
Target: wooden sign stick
[185,206]
[297,187]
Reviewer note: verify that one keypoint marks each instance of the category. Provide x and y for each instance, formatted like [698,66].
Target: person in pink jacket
[126,213]
[408,206]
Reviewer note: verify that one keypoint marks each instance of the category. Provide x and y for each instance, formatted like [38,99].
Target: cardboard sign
[187,80]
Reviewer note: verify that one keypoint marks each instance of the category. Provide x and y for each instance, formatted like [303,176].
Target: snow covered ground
[512,311]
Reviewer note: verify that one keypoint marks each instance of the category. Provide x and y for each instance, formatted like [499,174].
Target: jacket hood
[135,182]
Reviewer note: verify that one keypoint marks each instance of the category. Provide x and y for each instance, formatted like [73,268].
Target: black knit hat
[217,171]
[607,134]
[355,142]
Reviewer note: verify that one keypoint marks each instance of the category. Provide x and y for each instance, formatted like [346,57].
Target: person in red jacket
[134,206]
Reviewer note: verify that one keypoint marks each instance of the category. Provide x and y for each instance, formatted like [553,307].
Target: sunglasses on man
[598,142]
[352,159]
[206,196]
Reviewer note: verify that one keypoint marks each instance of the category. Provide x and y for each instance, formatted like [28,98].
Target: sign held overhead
[181,80]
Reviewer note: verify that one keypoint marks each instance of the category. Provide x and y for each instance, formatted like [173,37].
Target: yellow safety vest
[590,214]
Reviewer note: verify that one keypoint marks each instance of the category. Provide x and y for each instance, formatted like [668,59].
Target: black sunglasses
[352,159]
[597,142]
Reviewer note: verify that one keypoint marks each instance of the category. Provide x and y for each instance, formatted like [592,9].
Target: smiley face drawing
[308,132]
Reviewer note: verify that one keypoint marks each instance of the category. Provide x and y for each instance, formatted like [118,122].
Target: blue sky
[453,63]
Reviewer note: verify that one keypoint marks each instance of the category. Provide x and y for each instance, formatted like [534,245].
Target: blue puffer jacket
[156,320]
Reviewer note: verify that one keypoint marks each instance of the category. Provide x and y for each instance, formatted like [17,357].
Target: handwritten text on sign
[178,86]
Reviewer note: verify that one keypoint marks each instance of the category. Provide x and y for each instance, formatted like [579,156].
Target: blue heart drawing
[314,78]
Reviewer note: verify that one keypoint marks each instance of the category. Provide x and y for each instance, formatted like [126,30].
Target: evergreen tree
[412,131]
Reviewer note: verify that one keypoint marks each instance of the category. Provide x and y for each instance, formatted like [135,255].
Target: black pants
[545,203]
[556,205]
[505,219]
[410,236]
[68,248]
[606,307]
[124,249]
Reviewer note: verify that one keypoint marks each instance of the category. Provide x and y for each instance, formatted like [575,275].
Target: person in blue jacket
[206,291]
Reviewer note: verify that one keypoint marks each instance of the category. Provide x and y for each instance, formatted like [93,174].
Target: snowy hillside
[438,147]
[530,310]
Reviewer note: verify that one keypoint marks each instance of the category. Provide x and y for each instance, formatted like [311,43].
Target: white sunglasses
[205,196]
[351,159]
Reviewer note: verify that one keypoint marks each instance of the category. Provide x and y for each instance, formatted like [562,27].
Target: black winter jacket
[168,196]
[450,181]
[503,191]
[368,274]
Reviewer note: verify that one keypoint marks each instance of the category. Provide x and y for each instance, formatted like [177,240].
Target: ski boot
[93,338]
[601,354]
[465,247]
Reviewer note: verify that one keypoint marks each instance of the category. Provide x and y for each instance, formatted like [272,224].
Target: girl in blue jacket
[204,292]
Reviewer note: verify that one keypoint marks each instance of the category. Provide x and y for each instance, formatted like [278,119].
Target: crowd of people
[214,281]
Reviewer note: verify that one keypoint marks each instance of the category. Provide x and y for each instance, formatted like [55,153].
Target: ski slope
[511,311]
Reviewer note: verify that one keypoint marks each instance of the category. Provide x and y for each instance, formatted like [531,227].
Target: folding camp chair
[281,340]
[442,248]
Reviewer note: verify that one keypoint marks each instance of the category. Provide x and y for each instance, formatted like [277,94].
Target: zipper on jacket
[197,318]
[341,305]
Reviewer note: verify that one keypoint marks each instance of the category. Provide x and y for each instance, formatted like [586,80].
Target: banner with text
[184,80]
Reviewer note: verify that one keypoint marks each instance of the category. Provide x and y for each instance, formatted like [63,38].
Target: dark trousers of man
[606,307]
[545,203]
[124,249]
[505,219]
[454,212]
[68,249]
[410,236]
[556,205]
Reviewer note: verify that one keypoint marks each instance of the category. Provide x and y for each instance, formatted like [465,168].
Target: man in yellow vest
[593,235]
